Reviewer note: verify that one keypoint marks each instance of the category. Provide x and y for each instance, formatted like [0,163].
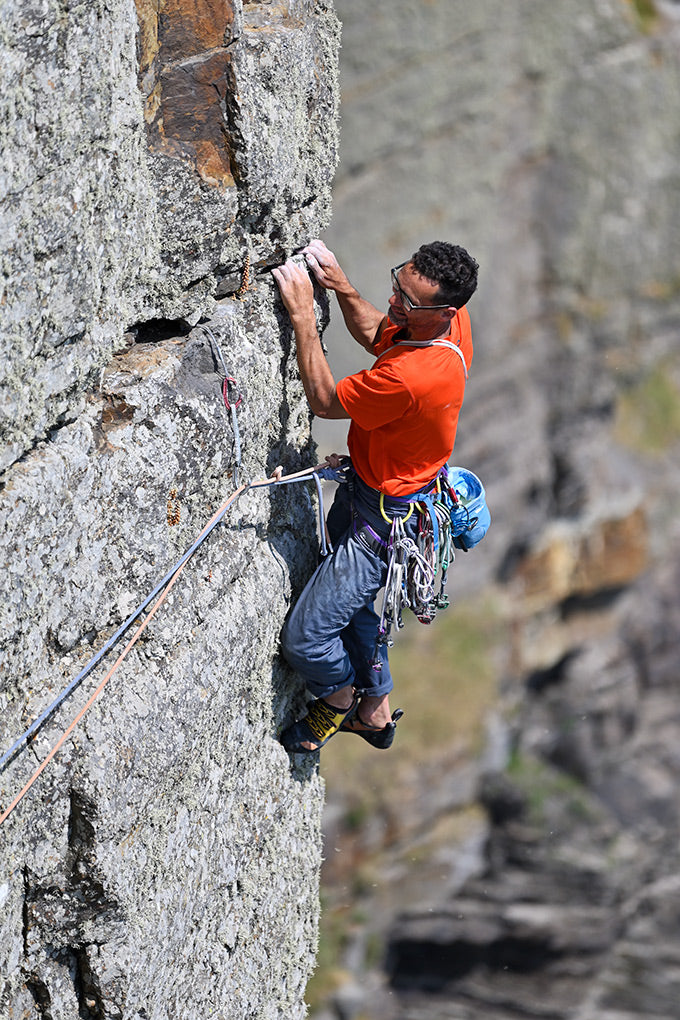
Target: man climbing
[404,413]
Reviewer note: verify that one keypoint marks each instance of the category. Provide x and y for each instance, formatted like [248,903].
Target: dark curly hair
[449,266]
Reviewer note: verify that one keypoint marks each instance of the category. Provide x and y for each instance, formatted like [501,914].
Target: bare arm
[298,297]
[361,317]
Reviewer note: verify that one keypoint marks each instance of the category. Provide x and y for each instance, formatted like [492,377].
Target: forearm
[296,291]
[315,371]
[361,317]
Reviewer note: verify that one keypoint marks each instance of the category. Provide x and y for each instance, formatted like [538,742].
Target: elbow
[326,405]
[320,409]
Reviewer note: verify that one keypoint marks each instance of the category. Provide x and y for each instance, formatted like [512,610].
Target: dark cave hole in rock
[153,331]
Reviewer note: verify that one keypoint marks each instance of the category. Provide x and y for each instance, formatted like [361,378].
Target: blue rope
[9,754]
[87,669]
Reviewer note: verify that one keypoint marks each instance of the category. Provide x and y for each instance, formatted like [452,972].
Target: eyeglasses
[405,299]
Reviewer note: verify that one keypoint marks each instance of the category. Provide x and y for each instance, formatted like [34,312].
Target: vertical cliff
[165,865]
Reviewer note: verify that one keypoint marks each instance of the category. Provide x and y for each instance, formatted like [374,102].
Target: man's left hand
[296,288]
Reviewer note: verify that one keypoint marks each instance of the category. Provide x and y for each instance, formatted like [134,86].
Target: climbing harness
[384,515]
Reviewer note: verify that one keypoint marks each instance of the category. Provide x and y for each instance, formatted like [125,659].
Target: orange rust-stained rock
[615,556]
[610,555]
[194,26]
[190,119]
[148,17]
[183,71]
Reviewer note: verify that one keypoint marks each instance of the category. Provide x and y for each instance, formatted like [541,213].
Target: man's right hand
[361,317]
[325,266]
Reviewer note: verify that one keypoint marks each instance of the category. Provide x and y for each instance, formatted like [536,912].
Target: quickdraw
[232,401]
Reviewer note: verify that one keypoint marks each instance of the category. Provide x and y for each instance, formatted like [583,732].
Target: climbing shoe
[380,737]
[320,724]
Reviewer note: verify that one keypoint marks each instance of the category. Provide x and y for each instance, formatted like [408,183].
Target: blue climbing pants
[330,636]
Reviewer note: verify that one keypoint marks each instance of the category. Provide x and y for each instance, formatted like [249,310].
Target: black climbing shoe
[380,737]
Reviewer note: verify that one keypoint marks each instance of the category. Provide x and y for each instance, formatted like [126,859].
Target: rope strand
[162,590]
[131,643]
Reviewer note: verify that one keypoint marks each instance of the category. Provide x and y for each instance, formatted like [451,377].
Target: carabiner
[227,382]
[390,520]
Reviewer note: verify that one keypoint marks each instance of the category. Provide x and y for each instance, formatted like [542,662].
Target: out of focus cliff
[518,854]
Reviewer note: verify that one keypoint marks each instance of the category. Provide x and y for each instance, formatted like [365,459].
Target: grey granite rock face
[102,225]
[543,137]
[165,864]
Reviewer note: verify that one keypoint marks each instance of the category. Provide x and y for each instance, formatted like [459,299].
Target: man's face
[421,322]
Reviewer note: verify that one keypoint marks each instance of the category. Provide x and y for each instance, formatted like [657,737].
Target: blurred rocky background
[517,853]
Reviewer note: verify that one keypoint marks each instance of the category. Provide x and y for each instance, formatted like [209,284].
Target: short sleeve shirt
[405,408]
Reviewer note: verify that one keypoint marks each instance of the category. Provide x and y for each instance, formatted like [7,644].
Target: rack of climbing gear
[454,515]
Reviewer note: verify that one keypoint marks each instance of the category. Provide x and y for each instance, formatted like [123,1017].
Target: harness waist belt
[368,536]
[372,497]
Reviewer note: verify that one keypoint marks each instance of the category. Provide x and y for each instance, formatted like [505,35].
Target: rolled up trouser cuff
[316,676]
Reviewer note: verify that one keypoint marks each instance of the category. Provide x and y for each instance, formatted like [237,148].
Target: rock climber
[404,414]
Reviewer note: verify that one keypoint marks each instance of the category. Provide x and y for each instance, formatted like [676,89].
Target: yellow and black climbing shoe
[321,723]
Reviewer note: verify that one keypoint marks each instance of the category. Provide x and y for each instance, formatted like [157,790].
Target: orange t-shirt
[404,409]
